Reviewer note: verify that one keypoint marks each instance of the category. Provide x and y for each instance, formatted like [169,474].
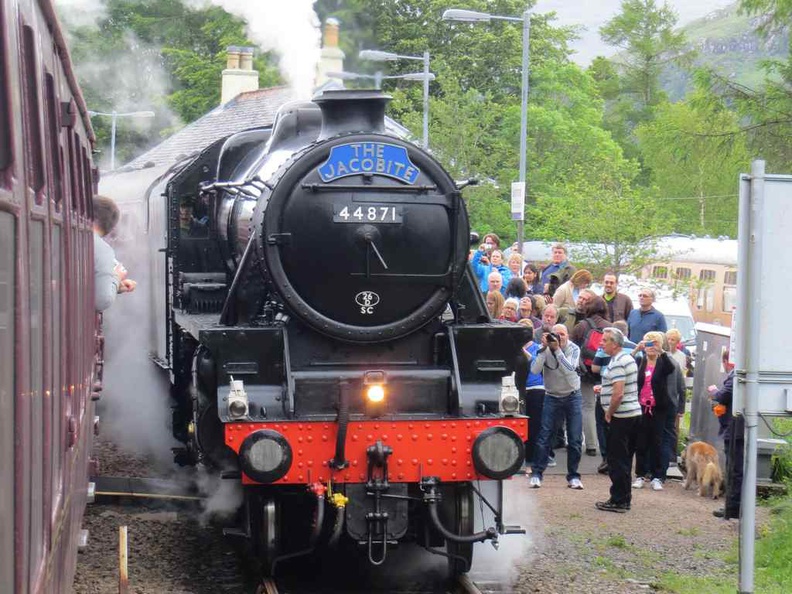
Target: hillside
[728,42]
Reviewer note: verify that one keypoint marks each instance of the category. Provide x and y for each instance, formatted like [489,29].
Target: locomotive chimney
[331,58]
[352,111]
[239,76]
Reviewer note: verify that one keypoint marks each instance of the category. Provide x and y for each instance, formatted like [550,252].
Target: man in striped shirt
[619,398]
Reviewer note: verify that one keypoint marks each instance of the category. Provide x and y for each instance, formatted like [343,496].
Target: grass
[617,541]
[773,568]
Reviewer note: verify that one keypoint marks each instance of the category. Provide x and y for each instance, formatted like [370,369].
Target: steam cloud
[290,29]
[135,406]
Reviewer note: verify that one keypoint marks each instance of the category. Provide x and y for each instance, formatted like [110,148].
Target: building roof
[254,109]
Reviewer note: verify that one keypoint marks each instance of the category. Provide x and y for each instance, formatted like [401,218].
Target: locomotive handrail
[426,374]
[368,188]
[456,386]
[224,315]
[290,375]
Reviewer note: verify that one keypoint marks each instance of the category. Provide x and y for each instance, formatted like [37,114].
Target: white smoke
[222,498]
[501,566]
[79,13]
[290,29]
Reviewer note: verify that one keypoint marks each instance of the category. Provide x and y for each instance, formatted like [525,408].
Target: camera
[649,343]
[552,337]
[488,247]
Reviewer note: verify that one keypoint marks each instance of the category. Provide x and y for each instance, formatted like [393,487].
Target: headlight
[237,400]
[265,456]
[375,393]
[498,453]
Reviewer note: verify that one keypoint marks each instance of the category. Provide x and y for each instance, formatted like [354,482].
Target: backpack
[591,343]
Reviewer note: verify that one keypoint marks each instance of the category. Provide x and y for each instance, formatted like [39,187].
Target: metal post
[524,119]
[112,140]
[426,101]
[750,209]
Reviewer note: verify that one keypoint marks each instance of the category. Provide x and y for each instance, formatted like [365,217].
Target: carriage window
[54,145]
[6,150]
[88,183]
[7,388]
[56,442]
[683,273]
[77,175]
[707,275]
[36,398]
[730,278]
[33,146]
[74,183]
[729,299]
[706,298]
[660,272]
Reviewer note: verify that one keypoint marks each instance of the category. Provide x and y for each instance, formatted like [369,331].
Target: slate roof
[253,109]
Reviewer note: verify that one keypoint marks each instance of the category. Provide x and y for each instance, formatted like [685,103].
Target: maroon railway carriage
[47,320]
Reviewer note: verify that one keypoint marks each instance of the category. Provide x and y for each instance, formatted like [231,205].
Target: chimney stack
[331,58]
[239,76]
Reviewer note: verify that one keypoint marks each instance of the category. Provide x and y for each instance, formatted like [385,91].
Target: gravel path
[577,548]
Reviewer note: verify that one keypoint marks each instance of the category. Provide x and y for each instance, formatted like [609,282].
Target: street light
[426,76]
[115,115]
[470,16]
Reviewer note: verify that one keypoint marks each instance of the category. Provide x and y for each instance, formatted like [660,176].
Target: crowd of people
[599,375]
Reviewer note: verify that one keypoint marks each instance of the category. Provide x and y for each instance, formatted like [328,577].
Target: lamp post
[426,76]
[470,16]
[115,115]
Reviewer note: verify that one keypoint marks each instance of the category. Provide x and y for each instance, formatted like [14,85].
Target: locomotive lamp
[509,398]
[375,393]
[237,400]
[374,390]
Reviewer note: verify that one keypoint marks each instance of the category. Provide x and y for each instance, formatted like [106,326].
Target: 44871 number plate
[366,213]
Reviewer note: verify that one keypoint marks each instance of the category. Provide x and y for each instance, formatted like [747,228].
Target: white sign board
[761,332]
[518,201]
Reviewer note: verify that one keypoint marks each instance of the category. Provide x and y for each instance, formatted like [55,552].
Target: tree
[644,32]
[694,167]
[616,222]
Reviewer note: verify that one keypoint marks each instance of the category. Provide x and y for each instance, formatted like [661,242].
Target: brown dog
[701,462]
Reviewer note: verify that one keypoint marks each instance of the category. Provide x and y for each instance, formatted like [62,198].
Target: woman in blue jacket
[483,264]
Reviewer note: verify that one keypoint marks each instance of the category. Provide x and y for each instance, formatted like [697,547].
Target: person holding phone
[654,371]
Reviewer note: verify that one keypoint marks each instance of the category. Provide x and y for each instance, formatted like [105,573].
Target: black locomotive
[328,343]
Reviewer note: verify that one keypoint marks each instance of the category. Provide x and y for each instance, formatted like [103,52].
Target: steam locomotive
[328,345]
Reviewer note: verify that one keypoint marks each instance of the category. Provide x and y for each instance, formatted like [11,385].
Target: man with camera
[557,361]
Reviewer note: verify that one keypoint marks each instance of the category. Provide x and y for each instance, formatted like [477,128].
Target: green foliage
[764,112]
[774,552]
[774,15]
[694,166]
